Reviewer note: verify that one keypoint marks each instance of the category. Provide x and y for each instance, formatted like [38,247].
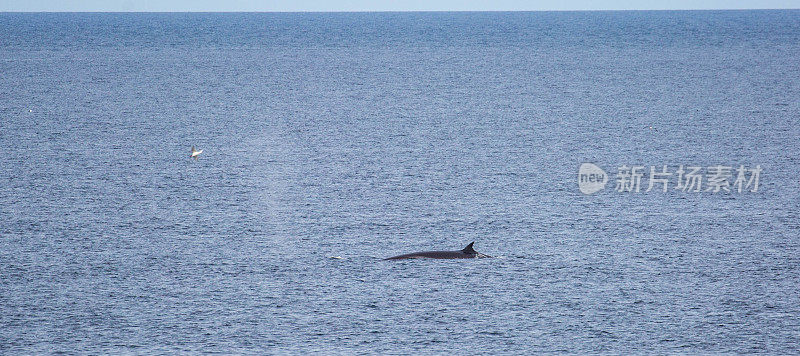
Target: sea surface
[333,140]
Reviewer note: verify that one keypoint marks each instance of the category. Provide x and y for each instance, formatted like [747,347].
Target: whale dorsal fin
[469,249]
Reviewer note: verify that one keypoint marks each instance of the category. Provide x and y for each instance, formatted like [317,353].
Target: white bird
[195,153]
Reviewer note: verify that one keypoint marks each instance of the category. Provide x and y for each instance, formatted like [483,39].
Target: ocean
[334,140]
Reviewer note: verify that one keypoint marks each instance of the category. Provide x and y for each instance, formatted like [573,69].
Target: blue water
[331,141]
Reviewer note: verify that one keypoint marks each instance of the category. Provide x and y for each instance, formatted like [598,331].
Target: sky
[383,5]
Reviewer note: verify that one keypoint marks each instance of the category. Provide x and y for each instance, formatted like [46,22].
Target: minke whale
[466,252]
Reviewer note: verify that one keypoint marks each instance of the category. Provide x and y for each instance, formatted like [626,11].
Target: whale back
[466,252]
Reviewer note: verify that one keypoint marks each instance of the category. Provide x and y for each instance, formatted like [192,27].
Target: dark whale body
[467,252]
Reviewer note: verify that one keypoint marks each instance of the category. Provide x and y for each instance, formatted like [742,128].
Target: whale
[466,252]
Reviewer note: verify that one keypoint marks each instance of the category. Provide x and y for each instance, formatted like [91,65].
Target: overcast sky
[384,5]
